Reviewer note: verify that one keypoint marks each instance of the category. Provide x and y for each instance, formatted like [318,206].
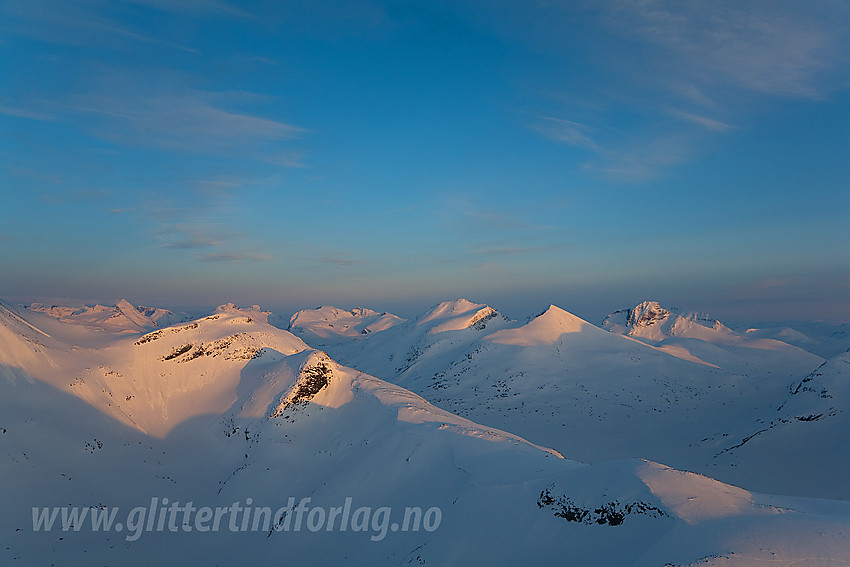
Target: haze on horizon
[392,155]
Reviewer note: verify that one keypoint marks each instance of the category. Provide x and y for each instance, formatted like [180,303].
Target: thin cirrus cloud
[192,242]
[338,260]
[186,121]
[188,233]
[516,250]
[636,157]
[462,214]
[289,160]
[241,256]
[642,161]
[195,7]
[695,62]
[638,161]
[710,124]
[780,48]
[73,23]
[26,113]
[223,187]
[89,195]
[222,247]
[195,221]
[567,131]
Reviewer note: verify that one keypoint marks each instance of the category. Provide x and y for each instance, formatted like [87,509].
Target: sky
[396,154]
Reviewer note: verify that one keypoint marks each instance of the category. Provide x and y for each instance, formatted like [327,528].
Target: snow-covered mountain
[22,344]
[448,327]
[826,339]
[157,380]
[649,320]
[810,423]
[699,337]
[327,322]
[228,408]
[562,382]
[121,317]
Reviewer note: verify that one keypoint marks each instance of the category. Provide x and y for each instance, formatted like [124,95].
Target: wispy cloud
[338,260]
[202,232]
[195,7]
[40,175]
[26,113]
[410,208]
[210,242]
[74,22]
[706,64]
[181,228]
[644,160]
[512,250]
[222,186]
[290,160]
[78,195]
[566,131]
[193,242]
[781,48]
[491,220]
[235,257]
[185,121]
[714,125]
[634,158]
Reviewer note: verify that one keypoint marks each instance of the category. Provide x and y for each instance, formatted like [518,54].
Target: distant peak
[329,321]
[124,304]
[647,313]
[555,310]
[330,310]
[452,308]
[233,308]
[545,329]
[649,320]
[556,314]
[456,305]
[227,308]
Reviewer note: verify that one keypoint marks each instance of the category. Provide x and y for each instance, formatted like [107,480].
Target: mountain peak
[328,321]
[448,309]
[457,315]
[545,329]
[650,320]
[132,313]
[646,314]
[255,311]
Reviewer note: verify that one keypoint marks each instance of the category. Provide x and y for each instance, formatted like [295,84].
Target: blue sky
[394,154]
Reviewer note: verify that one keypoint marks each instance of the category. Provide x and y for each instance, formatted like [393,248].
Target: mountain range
[536,440]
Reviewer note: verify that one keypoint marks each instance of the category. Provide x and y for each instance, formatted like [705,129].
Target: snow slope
[298,424]
[823,338]
[562,382]
[699,337]
[810,424]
